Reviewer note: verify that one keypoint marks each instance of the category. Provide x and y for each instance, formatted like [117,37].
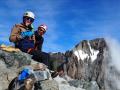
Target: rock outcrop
[10,66]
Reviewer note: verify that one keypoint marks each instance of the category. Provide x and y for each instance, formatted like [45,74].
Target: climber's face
[27,20]
[41,31]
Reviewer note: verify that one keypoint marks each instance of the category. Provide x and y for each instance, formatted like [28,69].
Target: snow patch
[82,55]
[93,53]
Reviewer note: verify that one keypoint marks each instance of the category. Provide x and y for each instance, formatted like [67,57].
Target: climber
[28,40]
[37,52]
[39,36]
[22,34]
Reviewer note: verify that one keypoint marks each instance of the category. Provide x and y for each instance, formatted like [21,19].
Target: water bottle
[25,73]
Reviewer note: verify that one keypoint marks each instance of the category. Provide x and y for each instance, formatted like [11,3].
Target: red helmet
[43,26]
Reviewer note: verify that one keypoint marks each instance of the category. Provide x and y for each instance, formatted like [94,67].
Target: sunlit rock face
[85,61]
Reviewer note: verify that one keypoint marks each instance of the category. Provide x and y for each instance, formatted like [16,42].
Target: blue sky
[68,21]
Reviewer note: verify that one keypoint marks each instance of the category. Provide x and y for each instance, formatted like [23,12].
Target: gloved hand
[27,33]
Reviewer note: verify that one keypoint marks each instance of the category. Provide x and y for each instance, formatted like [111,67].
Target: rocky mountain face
[85,61]
[85,67]
[88,59]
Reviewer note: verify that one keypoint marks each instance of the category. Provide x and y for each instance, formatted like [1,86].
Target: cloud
[113,67]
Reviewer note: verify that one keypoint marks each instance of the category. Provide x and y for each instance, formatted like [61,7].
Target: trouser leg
[42,57]
[46,58]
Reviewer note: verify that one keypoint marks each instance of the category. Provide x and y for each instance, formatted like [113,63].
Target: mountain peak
[88,49]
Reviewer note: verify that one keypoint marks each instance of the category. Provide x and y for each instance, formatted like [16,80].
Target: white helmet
[29,14]
[43,26]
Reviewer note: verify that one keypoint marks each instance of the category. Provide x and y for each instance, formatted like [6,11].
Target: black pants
[42,57]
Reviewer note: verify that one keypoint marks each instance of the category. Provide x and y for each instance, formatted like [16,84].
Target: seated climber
[37,53]
[28,40]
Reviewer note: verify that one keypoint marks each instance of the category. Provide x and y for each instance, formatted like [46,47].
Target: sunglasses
[29,18]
